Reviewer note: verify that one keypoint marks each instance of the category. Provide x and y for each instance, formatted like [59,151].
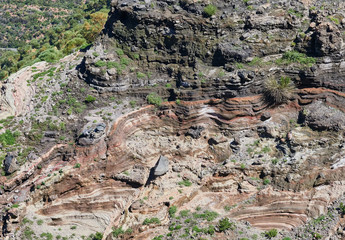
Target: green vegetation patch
[210,10]
[296,57]
[155,99]
[9,137]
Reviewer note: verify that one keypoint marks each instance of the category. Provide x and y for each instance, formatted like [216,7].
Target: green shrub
[172,211]
[210,10]
[185,183]
[141,75]
[154,98]
[50,55]
[271,233]
[16,205]
[100,63]
[28,233]
[184,213]
[119,51]
[207,215]
[77,165]
[132,103]
[124,61]
[342,208]
[316,235]
[266,181]
[46,236]
[286,238]
[148,221]
[296,57]
[39,222]
[90,99]
[278,91]
[118,231]
[334,19]
[8,137]
[224,224]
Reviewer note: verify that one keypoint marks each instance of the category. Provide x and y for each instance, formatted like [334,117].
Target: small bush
[46,236]
[185,183]
[118,231]
[271,233]
[266,181]
[278,91]
[148,221]
[39,222]
[296,57]
[210,10]
[184,213]
[90,99]
[172,211]
[154,98]
[119,51]
[8,137]
[100,63]
[207,215]
[132,103]
[77,165]
[97,236]
[342,208]
[224,224]
[141,75]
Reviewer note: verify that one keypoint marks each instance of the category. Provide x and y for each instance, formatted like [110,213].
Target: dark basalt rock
[92,135]
[10,164]
[195,131]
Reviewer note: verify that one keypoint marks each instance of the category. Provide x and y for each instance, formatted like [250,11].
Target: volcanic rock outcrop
[227,155]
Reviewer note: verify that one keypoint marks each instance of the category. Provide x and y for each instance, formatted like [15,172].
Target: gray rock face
[162,166]
[231,53]
[10,164]
[137,176]
[322,117]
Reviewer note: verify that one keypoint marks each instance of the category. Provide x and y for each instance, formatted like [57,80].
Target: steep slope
[250,139]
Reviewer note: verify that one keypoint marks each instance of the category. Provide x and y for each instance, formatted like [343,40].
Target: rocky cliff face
[229,54]
[221,159]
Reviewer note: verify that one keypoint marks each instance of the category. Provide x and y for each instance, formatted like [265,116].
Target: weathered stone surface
[10,164]
[321,117]
[91,135]
[136,176]
[195,131]
[162,166]
[327,39]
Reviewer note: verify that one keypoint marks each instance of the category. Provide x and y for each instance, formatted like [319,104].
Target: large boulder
[91,135]
[320,116]
[162,166]
[229,52]
[10,164]
[136,177]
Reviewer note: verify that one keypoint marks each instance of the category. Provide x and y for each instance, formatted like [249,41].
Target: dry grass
[279,91]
